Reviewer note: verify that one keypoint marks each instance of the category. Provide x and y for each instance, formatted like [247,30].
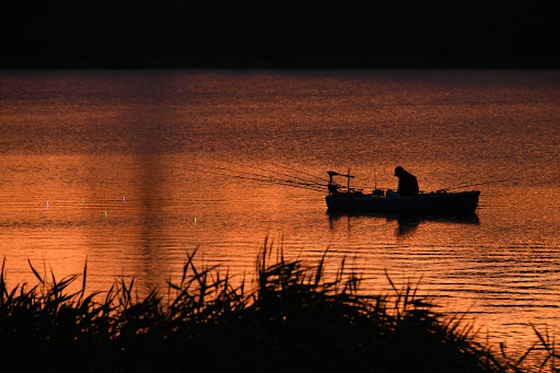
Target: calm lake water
[132,171]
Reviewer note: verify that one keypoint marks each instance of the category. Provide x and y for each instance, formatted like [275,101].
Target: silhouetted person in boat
[408,185]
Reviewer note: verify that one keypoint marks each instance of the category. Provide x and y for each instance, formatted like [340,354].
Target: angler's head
[399,170]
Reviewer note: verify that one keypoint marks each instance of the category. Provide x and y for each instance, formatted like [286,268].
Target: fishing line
[244,175]
[300,181]
[272,177]
[298,171]
[275,172]
[457,186]
[314,187]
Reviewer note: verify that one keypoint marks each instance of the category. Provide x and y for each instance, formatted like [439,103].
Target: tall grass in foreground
[294,319]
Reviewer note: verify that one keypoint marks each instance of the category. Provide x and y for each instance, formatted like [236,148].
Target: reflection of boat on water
[407,222]
[410,218]
[344,199]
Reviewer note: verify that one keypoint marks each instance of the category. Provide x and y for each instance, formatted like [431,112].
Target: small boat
[349,200]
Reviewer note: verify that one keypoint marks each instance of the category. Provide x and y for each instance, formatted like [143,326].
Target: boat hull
[430,203]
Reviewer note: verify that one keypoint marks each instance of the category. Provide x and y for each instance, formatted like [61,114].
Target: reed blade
[35,272]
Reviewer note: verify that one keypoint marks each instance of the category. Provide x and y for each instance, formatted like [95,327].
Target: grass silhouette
[294,319]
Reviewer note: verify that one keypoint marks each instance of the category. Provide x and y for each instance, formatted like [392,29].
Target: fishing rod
[295,184]
[276,178]
[237,173]
[273,179]
[479,184]
[301,172]
[278,173]
[243,175]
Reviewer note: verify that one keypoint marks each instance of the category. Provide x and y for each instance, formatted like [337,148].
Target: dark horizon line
[285,62]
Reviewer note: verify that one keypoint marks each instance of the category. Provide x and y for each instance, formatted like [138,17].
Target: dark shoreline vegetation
[282,62]
[293,320]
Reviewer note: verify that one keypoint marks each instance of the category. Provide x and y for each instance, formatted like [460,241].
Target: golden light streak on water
[139,169]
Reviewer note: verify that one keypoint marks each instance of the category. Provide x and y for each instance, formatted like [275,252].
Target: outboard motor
[333,187]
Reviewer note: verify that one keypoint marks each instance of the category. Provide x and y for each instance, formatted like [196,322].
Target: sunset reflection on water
[132,172]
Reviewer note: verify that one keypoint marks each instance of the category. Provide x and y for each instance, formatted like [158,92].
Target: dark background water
[408,33]
[134,170]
